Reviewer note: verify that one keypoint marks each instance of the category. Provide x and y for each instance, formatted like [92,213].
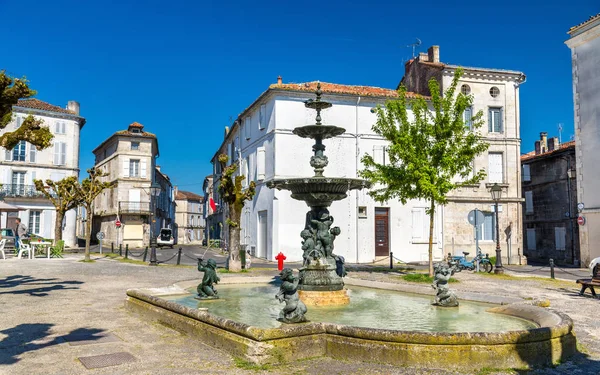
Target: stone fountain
[321,277]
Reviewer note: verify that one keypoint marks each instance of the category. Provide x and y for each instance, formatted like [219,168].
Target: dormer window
[136,130]
[135,127]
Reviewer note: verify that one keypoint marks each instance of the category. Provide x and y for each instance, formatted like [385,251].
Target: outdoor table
[35,244]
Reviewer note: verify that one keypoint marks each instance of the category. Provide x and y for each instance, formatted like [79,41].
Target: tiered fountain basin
[318,191]
[384,323]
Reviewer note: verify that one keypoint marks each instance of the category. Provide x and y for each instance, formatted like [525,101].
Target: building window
[19,151]
[362,211]
[60,153]
[528,202]
[59,127]
[526,173]
[134,168]
[135,146]
[487,230]
[560,235]
[465,89]
[468,117]
[494,92]
[495,168]
[531,239]
[34,222]
[495,120]
[18,182]
[247,127]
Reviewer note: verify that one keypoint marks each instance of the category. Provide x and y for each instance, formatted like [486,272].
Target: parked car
[9,235]
[165,238]
[593,264]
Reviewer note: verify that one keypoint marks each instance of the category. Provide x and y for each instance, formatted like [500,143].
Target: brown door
[382,234]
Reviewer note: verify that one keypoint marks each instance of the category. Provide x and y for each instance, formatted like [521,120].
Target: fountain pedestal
[322,284]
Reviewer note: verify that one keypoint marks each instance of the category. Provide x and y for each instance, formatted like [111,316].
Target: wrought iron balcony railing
[20,191]
[134,207]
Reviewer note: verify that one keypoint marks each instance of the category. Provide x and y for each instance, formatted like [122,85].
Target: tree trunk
[431,222]
[234,263]
[60,215]
[88,234]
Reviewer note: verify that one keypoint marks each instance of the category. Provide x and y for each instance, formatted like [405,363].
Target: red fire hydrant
[280,258]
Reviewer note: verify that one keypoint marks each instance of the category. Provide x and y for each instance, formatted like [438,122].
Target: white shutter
[143,168]
[526,173]
[33,175]
[63,153]
[260,163]
[57,127]
[18,122]
[378,154]
[64,127]
[495,167]
[418,214]
[559,237]
[528,202]
[125,167]
[32,153]
[262,121]
[229,153]
[8,155]
[56,153]
[531,239]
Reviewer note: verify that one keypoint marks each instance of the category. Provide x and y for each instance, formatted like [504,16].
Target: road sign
[100,236]
[581,220]
[475,217]
[118,223]
[580,206]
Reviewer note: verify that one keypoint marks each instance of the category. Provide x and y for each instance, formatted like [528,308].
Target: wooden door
[382,233]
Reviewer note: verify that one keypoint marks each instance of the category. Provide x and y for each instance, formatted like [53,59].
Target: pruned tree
[31,129]
[430,154]
[234,195]
[87,192]
[63,195]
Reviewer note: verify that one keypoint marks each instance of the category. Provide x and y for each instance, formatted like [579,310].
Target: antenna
[414,45]
[560,129]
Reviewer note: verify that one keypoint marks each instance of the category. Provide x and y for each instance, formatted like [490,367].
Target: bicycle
[461,263]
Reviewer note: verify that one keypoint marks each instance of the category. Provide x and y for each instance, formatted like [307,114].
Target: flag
[213,206]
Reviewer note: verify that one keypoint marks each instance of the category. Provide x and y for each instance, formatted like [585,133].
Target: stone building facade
[495,93]
[23,164]
[550,192]
[584,42]
[189,217]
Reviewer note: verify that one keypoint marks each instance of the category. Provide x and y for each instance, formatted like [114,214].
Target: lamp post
[154,192]
[496,191]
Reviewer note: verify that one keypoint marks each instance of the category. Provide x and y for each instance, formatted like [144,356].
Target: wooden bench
[589,283]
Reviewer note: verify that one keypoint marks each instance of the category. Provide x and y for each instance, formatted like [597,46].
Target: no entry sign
[581,220]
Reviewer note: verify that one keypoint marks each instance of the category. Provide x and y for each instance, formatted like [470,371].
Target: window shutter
[260,163]
[57,127]
[32,153]
[56,153]
[528,202]
[262,121]
[468,116]
[63,153]
[143,168]
[8,155]
[378,154]
[559,238]
[125,167]
[417,223]
[229,153]
[526,173]
[64,127]
[33,175]
[501,121]
[247,127]
[495,167]
[490,120]
[531,239]
[18,122]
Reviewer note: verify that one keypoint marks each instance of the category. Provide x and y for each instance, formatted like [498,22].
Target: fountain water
[321,276]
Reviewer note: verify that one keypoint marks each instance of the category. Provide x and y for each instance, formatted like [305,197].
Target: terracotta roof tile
[38,104]
[136,124]
[142,134]
[188,195]
[335,88]
[592,18]
[532,155]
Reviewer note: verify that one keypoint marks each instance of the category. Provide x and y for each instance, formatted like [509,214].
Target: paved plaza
[57,313]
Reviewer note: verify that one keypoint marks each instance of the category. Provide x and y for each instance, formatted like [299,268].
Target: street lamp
[496,191]
[154,193]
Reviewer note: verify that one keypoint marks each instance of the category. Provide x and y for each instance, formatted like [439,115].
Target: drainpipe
[357,152]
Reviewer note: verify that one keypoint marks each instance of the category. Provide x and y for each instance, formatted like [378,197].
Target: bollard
[112,247]
[179,256]
[120,249]
[552,268]
[126,251]
[145,253]
[391,260]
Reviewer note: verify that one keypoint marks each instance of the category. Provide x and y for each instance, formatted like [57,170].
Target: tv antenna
[560,129]
[415,45]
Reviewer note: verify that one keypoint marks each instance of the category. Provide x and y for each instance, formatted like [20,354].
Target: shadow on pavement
[43,286]
[30,337]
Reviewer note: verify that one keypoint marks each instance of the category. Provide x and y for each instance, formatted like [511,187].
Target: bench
[590,283]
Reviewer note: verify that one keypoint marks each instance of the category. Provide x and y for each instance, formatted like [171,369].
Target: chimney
[279,80]
[553,144]
[537,148]
[423,57]
[175,190]
[543,142]
[72,105]
[434,54]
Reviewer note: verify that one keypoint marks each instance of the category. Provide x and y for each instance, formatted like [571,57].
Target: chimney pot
[434,54]
[543,142]
[72,105]
[279,80]
[423,57]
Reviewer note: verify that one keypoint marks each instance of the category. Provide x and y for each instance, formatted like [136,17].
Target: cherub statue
[308,246]
[444,297]
[324,236]
[294,309]
[206,289]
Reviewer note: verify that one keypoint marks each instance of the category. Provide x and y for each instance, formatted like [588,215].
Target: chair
[24,248]
[57,250]
[2,243]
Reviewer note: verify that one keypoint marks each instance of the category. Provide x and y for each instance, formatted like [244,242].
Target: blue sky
[183,68]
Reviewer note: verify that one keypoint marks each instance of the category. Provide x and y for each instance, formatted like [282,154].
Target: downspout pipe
[357,152]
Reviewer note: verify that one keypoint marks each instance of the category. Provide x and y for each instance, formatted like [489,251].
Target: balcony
[134,207]
[20,191]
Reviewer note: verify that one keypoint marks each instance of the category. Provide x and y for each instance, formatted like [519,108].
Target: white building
[189,217]
[271,223]
[584,43]
[20,166]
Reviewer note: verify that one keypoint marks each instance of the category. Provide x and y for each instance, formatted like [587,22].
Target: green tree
[63,195]
[31,129]
[234,195]
[430,154]
[87,192]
